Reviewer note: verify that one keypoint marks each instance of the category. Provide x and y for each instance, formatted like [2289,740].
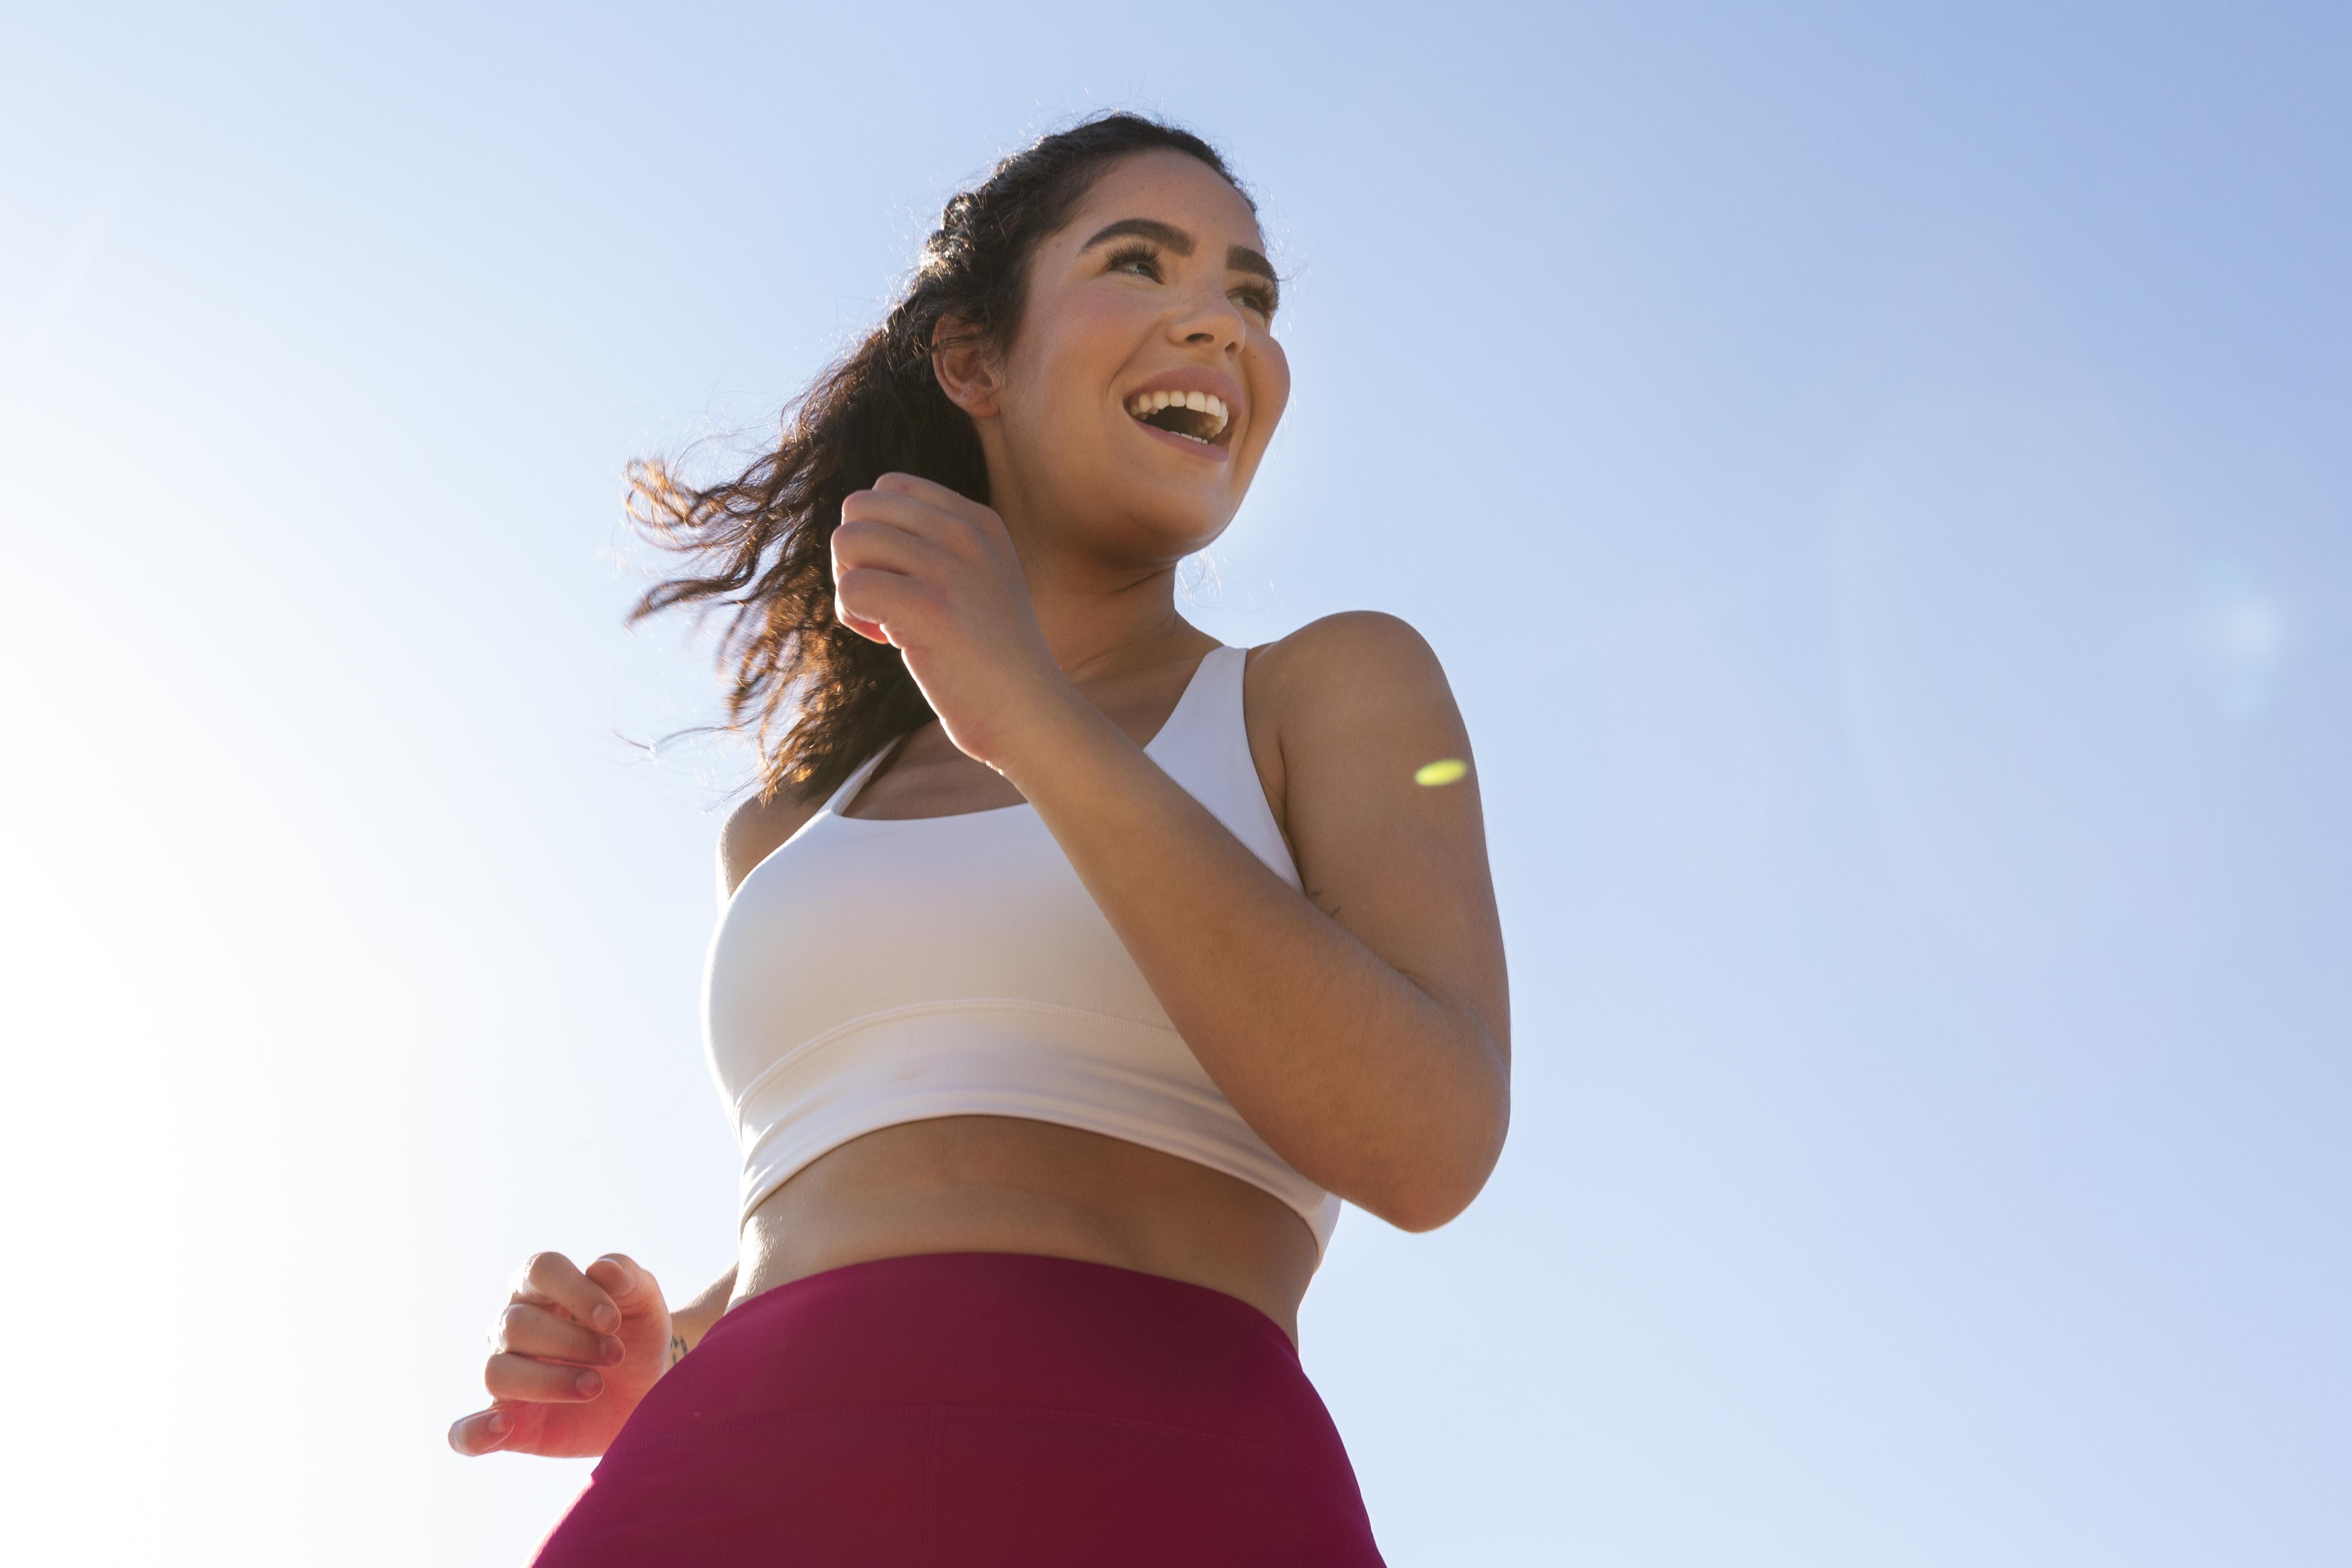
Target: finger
[928,516]
[549,1279]
[632,1286]
[510,1377]
[885,599]
[526,1330]
[867,541]
[938,495]
[483,1432]
[928,507]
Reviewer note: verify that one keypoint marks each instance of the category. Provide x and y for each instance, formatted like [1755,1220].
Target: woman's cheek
[1269,388]
[1081,351]
[1103,326]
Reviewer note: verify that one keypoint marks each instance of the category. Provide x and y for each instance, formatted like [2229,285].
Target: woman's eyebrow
[1239,257]
[1152,230]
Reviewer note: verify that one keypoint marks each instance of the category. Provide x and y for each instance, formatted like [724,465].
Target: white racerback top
[871,971]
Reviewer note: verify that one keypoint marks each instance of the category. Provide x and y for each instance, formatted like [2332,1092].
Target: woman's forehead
[1169,188]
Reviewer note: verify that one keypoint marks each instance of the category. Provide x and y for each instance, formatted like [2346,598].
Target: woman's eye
[1143,263]
[1257,300]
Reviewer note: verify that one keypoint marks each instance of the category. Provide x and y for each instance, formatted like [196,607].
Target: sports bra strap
[848,790]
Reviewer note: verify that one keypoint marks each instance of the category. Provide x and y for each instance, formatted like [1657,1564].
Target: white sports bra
[875,971]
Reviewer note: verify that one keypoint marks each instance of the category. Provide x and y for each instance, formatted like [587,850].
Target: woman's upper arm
[1360,706]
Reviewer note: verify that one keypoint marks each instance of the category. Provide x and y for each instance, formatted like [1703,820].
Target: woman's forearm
[1367,1045]
[1376,1086]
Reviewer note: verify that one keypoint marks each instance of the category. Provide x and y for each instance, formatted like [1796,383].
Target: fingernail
[590,1385]
[496,1425]
[613,1350]
[605,1319]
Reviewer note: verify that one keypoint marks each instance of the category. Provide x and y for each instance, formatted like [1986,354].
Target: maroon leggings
[972,1408]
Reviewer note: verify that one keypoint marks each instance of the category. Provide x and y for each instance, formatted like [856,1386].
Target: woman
[1071,967]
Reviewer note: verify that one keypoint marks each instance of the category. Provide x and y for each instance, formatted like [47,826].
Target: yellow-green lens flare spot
[1444,771]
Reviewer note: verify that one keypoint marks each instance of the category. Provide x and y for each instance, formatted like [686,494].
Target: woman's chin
[1179,518]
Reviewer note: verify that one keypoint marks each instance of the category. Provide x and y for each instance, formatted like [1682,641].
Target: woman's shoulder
[756,827]
[1346,659]
[1348,698]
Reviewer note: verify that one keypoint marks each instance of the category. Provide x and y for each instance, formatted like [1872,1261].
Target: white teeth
[1143,404]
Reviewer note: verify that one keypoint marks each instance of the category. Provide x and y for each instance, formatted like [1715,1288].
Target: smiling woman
[1071,968]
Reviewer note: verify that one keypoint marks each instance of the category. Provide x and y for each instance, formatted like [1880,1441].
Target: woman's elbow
[1445,1176]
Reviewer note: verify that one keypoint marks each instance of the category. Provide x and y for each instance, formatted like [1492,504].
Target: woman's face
[1143,381]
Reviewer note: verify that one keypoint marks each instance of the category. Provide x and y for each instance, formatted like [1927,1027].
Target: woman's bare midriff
[998,1184]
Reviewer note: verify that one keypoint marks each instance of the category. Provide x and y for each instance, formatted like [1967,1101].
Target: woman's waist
[1007,1331]
[1016,1342]
[1007,1186]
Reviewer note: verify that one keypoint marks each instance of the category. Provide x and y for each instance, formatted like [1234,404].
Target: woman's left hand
[934,574]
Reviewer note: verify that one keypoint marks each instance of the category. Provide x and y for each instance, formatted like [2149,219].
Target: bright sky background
[1880,484]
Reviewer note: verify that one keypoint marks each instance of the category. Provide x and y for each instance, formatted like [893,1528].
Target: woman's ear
[968,371]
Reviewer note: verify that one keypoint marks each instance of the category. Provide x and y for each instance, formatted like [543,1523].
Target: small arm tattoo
[678,1347]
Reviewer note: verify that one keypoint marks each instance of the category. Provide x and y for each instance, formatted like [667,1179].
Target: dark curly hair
[817,698]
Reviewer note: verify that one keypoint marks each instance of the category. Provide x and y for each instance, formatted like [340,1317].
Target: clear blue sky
[1878,478]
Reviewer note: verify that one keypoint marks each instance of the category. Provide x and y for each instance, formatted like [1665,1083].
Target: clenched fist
[570,1357]
[934,574]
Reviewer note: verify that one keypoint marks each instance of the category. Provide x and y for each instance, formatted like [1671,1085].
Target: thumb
[484,1432]
[634,1289]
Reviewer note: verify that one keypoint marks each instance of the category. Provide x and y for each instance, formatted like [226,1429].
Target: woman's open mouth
[1195,416]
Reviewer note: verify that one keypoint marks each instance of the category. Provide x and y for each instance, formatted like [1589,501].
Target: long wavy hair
[814,698]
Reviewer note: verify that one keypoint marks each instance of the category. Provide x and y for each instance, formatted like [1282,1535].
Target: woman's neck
[1102,622]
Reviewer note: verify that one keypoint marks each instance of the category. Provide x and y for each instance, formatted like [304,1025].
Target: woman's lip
[1204,449]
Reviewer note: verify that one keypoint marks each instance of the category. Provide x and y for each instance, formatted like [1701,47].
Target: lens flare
[1444,771]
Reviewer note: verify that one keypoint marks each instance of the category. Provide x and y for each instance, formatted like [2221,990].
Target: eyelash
[1142,253]
[1259,298]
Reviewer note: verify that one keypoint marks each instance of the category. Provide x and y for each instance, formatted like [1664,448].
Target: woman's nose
[1211,319]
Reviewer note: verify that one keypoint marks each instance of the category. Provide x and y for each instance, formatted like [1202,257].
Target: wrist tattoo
[678,1347]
